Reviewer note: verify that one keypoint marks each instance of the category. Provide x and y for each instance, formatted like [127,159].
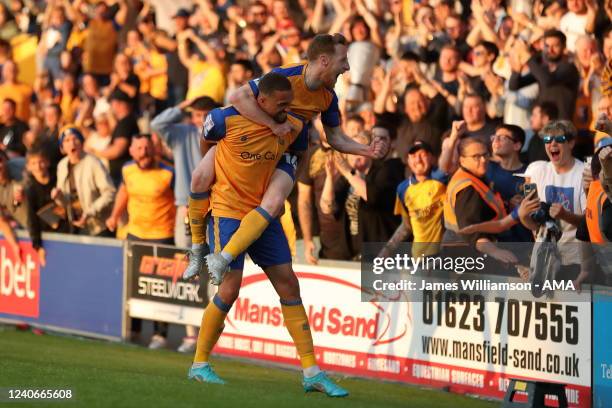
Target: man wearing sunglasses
[559,183]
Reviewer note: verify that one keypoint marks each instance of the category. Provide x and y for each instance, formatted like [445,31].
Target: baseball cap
[418,145]
[182,12]
[605,142]
[70,129]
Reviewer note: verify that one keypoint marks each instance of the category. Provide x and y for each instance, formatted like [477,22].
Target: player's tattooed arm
[243,99]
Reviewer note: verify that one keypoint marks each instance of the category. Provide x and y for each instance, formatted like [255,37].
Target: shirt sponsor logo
[258,156]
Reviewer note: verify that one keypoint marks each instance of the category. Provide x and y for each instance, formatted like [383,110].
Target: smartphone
[528,188]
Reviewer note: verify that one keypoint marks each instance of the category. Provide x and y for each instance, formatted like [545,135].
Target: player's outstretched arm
[342,143]
[244,101]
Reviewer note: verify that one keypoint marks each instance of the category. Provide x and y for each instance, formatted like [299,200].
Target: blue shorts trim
[198,196]
[264,214]
[222,306]
[291,302]
[288,164]
[270,249]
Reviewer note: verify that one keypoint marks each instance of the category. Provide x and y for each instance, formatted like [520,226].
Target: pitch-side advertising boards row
[79,290]
[472,347]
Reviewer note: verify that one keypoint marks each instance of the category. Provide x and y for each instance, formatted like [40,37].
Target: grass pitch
[103,374]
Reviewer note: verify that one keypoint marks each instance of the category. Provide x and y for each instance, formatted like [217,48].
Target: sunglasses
[558,139]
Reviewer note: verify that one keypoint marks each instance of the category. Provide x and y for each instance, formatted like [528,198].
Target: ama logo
[19,281]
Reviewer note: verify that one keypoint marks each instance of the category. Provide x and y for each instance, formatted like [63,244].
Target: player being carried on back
[312,84]
[247,155]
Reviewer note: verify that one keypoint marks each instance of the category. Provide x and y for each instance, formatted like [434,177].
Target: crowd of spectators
[99,122]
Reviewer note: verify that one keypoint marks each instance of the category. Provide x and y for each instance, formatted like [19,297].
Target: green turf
[114,375]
